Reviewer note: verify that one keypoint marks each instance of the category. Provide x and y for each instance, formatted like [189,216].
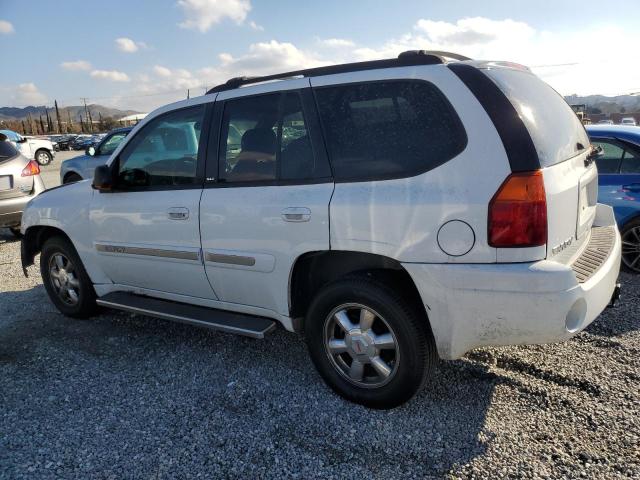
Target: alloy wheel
[361,345]
[64,279]
[631,248]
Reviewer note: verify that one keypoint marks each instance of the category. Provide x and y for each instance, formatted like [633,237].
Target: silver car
[83,166]
[19,182]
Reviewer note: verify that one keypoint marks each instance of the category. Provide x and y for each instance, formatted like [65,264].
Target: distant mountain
[607,105]
[13,113]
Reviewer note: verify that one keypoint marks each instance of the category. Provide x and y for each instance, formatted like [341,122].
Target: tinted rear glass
[7,151]
[555,129]
[388,129]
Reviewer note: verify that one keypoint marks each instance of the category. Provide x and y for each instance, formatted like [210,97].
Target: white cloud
[6,27]
[112,75]
[269,57]
[255,26]
[27,94]
[127,45]
[203,14]
[162,71]
[336,43]
[76,65]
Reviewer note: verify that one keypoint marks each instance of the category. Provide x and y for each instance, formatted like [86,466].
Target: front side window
[111,143]
[265,138]
[388,129]
[609,160]
[164,152]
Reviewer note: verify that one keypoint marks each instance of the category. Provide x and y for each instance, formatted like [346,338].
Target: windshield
[555,129]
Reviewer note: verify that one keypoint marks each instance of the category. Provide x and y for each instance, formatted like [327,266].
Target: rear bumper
[11,208]
[471,306]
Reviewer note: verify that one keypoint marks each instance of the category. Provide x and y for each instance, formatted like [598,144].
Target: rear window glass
[388,129]
[7,150]
[555,129]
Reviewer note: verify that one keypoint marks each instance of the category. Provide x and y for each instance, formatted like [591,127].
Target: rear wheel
[369,343]
[43,157]
[66,280]
[631,246]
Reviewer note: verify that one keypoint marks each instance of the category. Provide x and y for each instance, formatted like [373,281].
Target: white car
[39,149]
[628,121]
[393,211]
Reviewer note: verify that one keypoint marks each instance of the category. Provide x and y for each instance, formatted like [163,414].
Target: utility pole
[187,94]
[55,103]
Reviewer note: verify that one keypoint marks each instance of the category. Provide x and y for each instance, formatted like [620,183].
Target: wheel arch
[33,240]
[313,270]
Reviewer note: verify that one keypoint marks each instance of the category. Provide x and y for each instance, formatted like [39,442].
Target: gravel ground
[125,396]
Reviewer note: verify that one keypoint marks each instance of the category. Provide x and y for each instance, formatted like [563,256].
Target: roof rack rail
[405,59]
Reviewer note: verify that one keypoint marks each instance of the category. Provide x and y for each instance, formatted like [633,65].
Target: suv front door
[266,198]
[146,232]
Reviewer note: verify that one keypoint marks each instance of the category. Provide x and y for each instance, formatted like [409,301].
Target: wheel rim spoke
[366,319]
[343,320]
[381,367]
[356,371]
[337,346]
[384,341]
[59,261]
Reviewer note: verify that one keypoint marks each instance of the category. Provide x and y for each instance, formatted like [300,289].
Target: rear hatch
[562,144]
[12,183]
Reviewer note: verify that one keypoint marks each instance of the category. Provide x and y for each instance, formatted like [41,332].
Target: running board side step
[231,322]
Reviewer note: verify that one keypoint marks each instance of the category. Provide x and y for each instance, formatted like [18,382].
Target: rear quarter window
[555,129]
[388,129]
[7,151]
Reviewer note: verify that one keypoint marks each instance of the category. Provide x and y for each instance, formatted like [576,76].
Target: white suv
[393,211]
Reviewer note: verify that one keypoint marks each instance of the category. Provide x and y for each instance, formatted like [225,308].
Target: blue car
[619,183]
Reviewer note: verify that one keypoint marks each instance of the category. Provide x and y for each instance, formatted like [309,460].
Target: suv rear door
[266,198]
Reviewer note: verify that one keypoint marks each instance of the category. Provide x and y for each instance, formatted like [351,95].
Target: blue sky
[144,53]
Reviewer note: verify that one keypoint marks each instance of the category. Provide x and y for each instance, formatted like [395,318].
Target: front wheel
[65,279]
[369,343]
[43,157]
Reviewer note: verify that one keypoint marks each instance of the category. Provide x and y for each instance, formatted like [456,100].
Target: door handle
[296,214]
[178,213]
[633,187]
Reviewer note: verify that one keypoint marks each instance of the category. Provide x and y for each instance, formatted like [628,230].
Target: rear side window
[6,150]
[388,129]
[630,162]
[555,129]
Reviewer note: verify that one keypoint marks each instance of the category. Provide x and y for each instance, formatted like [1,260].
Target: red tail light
[518,212]
[32,168]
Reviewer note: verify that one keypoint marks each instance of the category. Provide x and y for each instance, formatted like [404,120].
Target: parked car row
[627,121]
[40,149]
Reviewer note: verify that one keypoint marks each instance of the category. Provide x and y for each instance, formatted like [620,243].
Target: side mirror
[91,151]
[103,178]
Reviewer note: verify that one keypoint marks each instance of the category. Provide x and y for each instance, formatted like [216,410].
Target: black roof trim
[515,137]
[405,59]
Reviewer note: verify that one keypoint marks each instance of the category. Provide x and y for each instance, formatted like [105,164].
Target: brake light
[32,168]
[518,212]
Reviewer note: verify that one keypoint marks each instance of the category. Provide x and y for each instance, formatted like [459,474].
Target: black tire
[417,355]
[71,178]
[85,306]
[43,156]
[630,234]
[16,231]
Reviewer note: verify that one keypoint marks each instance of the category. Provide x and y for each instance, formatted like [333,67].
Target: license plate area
[587,202]
[6,182]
